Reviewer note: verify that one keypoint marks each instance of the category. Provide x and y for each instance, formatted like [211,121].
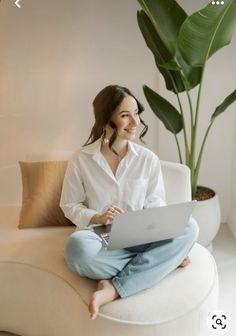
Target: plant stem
[194,176]
[196,171]
[191,107]
[192,144]
[179,150]
[184,129]
[181,111]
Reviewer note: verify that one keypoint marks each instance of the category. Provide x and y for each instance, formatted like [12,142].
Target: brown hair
[104,106]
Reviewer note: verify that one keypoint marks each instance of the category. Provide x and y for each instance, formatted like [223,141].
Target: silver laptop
[145,226]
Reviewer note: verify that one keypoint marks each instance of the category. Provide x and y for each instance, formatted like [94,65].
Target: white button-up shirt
[90,186]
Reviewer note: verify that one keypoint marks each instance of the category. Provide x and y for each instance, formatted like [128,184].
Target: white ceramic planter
[207,214]
[232,220]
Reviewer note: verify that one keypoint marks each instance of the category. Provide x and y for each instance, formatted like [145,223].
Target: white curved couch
[40,296]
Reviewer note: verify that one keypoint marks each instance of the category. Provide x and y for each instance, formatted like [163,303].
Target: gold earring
[105,140]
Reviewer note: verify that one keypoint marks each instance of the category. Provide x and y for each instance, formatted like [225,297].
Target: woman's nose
[134,121]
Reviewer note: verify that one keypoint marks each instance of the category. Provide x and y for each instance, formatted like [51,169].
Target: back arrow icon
[17,3]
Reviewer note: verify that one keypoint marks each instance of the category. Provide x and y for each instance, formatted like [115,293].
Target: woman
[110,175]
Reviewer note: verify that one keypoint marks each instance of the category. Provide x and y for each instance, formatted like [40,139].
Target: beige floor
[225,256]
[224,251]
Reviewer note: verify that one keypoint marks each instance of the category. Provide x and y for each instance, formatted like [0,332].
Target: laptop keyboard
[105,237]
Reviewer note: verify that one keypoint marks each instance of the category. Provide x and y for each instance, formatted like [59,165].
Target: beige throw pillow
[42,185]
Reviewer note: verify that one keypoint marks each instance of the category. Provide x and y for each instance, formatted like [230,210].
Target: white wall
[232,212]
[56,55]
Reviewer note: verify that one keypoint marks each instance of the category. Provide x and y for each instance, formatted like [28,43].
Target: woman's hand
[107,216]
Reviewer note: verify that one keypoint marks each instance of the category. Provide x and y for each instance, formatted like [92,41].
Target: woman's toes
[185,262]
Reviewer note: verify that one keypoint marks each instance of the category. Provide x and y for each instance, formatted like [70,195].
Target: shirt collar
[95,147]
[131,148]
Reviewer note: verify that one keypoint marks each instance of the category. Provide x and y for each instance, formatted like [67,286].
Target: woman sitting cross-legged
[111,174]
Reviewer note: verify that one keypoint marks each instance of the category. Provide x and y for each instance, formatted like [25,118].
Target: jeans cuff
[118,287]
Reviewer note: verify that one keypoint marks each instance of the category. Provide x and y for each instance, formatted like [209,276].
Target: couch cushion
[42,249]
[42,184]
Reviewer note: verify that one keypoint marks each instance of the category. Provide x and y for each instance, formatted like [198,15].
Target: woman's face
[126,118]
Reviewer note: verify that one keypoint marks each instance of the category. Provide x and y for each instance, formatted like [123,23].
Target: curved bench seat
[39,295]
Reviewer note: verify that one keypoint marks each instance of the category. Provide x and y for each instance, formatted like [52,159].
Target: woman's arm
[155,195]
[73,197]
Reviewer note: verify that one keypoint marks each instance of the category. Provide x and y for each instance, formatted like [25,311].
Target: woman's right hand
[107,216]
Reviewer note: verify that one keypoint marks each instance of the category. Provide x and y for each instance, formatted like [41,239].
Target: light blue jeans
[132,269]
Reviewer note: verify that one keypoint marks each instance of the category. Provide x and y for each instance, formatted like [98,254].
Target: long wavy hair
[104,106]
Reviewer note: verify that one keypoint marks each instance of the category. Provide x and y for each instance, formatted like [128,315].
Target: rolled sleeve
[73,197]
[155,195]
[78,214]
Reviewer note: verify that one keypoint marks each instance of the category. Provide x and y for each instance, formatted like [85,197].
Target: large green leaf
[206,31]
[191,76]
[161,54]
[223,106]
[166,112]
[174,81]
[167,17]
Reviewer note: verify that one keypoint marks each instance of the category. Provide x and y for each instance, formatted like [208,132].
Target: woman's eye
[127,115]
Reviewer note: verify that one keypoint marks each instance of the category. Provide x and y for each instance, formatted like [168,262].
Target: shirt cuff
[85,217]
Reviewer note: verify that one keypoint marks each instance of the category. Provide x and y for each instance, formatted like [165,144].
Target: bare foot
[185,262]
[105,293]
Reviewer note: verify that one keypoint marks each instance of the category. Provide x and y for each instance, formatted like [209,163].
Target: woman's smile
[131,130]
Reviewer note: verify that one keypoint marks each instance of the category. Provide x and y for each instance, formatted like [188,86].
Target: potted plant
[181,46]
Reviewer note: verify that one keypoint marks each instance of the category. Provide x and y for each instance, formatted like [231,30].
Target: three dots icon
[218,2]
